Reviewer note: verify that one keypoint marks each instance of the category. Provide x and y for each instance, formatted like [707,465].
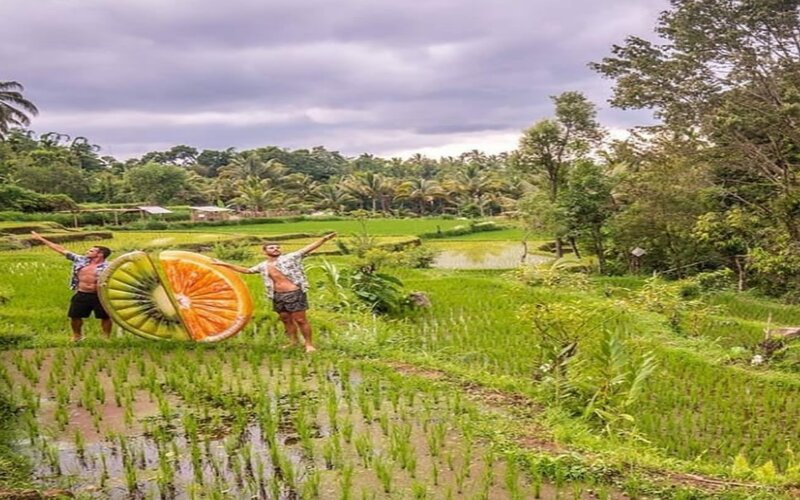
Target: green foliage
[778,267]
[678,302]
[610,381]
[565,272]
[362,287]
[234,250]
[416,257]
[334,286]
[24,200]
[155,183]
[463,229]
[382,293]
[715,281]
[358,243]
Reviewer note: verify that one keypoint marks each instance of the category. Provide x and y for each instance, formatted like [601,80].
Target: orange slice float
[179,296]
[213,301]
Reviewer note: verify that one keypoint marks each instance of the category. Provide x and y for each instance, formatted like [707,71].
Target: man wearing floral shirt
[86,270]
[285,284]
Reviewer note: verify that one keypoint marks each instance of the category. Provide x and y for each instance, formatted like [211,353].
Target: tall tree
[730,71]
[587,205]
[15,109]
[550,147]
[421,192]
[156,183]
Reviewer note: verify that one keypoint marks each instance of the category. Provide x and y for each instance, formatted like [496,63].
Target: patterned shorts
[293,301]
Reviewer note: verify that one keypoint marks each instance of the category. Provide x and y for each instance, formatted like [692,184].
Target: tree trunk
[559,247]
[599,251]
[574,245]
[524,251]
[741,271]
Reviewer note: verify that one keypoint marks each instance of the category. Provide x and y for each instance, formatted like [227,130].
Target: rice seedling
[346,482]
[384,473]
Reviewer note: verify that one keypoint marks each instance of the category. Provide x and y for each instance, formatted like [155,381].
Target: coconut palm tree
[252,165]
[14,108]
[332,197]
[422,192]
[470,183]
[256,194]
[369,187]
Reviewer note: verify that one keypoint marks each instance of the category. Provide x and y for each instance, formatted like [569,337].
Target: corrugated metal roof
[210,208]
[154,210]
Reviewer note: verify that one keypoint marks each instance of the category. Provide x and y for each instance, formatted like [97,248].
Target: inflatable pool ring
[176,296]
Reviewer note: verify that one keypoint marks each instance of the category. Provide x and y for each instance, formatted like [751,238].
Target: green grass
[701,408]
[512,234]
[395,227]
[750,307]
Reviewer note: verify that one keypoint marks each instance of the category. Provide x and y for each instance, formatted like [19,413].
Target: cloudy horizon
[385,78]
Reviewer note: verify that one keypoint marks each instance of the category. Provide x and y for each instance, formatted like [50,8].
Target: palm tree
[252,165]
[332,197]
[300,184]
[53,139]
[423,192]
[256,194]
[14,108]
[369,186]
[470,183]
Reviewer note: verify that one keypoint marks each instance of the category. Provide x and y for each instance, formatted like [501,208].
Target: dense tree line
[713,186]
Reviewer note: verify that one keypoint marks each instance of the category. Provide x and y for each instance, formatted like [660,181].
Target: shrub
[715,281]
[462,229]
[418,257]
[24,200]
[381,293]
[564,273]
[238,251]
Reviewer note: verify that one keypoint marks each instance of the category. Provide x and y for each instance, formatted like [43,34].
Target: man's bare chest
[88,273]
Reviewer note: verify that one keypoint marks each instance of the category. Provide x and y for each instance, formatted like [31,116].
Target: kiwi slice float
[179,296]
[132,293]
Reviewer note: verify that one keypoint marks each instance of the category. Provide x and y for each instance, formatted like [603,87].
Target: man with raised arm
[285,284]
[86,270]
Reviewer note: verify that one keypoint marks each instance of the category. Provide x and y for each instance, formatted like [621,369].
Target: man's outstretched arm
[55,246]
[310,248]
[234,267]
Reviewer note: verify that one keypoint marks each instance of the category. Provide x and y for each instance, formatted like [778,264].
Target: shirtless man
[85,271]
[286,285]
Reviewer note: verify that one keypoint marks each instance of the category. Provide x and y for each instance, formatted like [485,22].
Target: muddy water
[485,255]
[237,424]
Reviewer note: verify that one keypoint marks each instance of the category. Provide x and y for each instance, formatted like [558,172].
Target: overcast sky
[385,77]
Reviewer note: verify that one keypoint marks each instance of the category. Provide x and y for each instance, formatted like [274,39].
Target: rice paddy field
[457,400]
[396,227]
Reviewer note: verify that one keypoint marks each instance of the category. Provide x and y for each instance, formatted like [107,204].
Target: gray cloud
[383,77]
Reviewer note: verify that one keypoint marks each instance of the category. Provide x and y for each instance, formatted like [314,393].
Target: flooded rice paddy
[483,255]
[201,423]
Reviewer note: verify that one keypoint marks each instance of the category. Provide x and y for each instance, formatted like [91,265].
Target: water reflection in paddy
[482,255]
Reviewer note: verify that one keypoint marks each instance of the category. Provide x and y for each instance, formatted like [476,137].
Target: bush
[238,251]
[563,273]
[381,293]
[715,281]
[419,257]
[24,200]
[460,230]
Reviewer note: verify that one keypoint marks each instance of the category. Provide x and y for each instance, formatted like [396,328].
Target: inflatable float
[174,295]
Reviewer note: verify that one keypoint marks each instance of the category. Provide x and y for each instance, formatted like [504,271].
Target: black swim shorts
[82,305]
[293,301]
